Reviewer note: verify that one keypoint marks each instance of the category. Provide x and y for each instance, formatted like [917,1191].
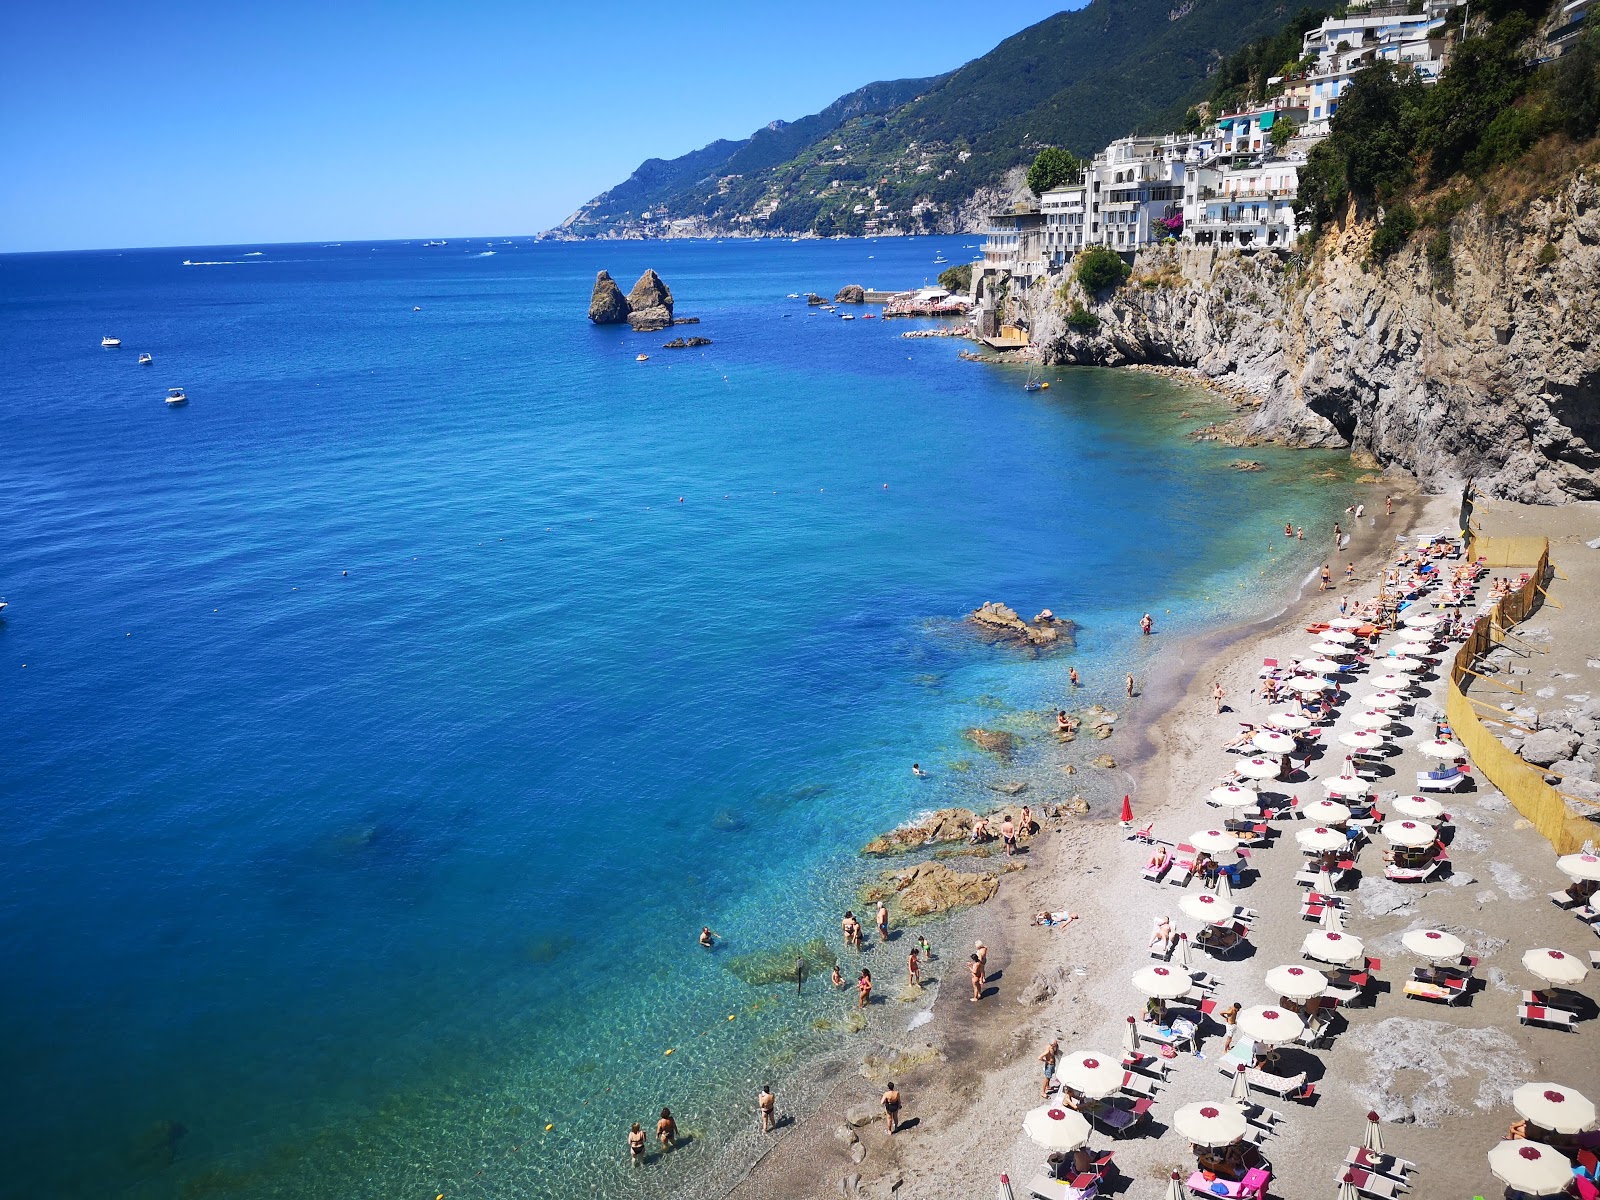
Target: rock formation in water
[606,304]
[852,293]
[946,825]
[650,304]
[1044,630]
[1471,353]
[930,888]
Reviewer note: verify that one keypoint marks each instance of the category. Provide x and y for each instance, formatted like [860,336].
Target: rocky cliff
[1480,362]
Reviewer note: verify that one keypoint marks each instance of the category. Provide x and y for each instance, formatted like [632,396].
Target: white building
[1241,206]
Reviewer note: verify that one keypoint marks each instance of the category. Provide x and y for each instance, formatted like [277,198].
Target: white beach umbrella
[1130,1036]
[1372,718]
[1555,967]
[1347,1188]
[1224,888]
[1419,619]
[1325,888]
[1385,700]
[1240,1092]
[1332,649]
[1332,916]
[1352,787]
[1297,983]
[1175,1188]
[1408,833]
[1435,945]
[1331,947]
[1273,742]
[1442,748]
[1386,680]
[1320,838]
[1259,768]
[1530,1167]
[1338,636]
[1054,1128]
[1270,1025]
[1005,1192]
[1372,1139]
[1405,663]
[1090,1073]
[1213,841]
[1415,635]
[1362,739]
[1210,1123]
[1322,666]
[1181,955]
[1553,1107]
[1163,983]
[1232,796]
[1418,808]
[1289,720]
[1580,866]
[1204,906]
[1326,812]
[1345,623]
[1308,685]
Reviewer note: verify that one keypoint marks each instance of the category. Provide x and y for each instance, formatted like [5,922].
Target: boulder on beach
[946,825]
[997,742]
[606,303]
[852,293]
[932,887]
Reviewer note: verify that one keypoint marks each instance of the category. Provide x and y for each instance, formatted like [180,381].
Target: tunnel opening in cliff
[1337,409]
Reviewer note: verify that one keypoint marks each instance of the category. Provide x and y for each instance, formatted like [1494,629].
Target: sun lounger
[1316,1031]
[1278,1085]
[1536,1014]
[1241,1053]
[1154,874]
[1594,959]
[1571,1002]
[1060,1189]
[1133,1085]
[1441,781]
[1411,874]
[1146,835]
[1418,990]
[1369,1183]
[1564,899]
[1384,1164]
[1146,1064]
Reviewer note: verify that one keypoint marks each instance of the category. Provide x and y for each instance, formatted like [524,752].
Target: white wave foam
[484,254]
[221,263]
[922,1018]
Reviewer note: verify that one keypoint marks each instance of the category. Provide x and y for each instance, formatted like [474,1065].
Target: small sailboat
[110,343]
[175,397]
[1034,384]
[145,360]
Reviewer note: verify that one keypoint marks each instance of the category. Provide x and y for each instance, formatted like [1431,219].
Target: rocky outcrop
[1045,629]
[1478,361]
[852,293]
[685,343]
[997,742]
[930,888]
[607,306]
[650,304]
[946,825]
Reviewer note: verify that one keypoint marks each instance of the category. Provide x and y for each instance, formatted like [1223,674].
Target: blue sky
[202,123]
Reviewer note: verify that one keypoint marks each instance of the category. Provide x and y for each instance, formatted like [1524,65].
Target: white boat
[110,343]
[847,317]
[176,397]
[145,360]
[939,258]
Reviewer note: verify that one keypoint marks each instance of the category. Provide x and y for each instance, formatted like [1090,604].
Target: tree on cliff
[957,278]
[1099,268]
[1368,152]
[1053,167]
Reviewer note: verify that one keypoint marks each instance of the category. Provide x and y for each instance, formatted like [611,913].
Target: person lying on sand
[1246,732]
[1054,919]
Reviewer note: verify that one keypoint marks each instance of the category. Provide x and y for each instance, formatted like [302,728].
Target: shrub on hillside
[1100,268]
[1081,320]
[957,278]
[1398,224]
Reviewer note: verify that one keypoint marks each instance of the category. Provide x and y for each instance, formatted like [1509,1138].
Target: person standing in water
[799,974]
[667,1131]
[1130,685]
[927,950]
[707,938]
[636,1144]
[767,1108]
[837,979]
[864,988]
[883,922]
[914,969]
[1072,676]
[1146,624]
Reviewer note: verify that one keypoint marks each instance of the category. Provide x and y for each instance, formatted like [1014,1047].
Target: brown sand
[1445,1072]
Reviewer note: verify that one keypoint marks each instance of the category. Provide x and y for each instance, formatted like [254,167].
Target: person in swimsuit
[1216,696]
[891,1107]
[916,769]
[927,950]
[914,969]
[1288,529]
[1146,624]
[1008,835]
[1025,825]
[636,1144]
[707,938]
[1052,1053]
[1130,683]
[983,959]
[852,930]
[838,979]
[864,988]
[767,1108]
[883,922]
[1072,676]
[975,969]
[980,831]
[667,1130]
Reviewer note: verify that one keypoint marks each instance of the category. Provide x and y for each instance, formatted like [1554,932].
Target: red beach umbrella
[1127,810]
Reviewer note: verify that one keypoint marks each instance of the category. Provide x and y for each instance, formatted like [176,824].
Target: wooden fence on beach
[1545,807]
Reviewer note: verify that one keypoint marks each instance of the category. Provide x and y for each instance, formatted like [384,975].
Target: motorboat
[641,358]
[110,343]
[848,317]
[145,360]
[175,397]
[939,258]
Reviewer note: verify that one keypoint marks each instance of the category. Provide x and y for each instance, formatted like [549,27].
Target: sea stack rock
[650,304]
[852,293]
[606,304]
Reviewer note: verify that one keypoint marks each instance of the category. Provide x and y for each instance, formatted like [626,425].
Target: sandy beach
[1441,1075]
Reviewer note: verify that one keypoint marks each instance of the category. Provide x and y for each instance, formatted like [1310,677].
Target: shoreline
[951,1096]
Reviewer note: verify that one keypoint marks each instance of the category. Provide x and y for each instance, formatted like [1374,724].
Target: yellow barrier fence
[1522,783]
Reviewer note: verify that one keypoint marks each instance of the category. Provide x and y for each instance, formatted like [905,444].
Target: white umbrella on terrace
[1297,983]
[1553,1107]
[1272,742]
[1267,1024]
[1580,866]
[1408,833]
[1259,768]
[1326,812]
[1418,808]
[1386,680]
[1321,838]
[1289,720]
[1530,1168]
[1435,945]
[1233,796]
[1091,1074]
[1163,983]
[1350,786]
[1205,906]
[1307,685]
[1213,841]
[1362,739]
[1442,748]
[1331,946]
[1555,967]
[1054,1128]
[1210,1123]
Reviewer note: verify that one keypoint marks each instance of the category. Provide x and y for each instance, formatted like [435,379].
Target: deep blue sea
[381,728]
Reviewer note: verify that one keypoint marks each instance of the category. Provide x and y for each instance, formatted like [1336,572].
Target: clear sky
[195,123]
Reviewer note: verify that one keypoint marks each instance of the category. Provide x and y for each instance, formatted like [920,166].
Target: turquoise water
[389,726]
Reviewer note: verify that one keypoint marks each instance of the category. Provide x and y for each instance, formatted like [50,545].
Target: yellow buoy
[549,1127]
[730,1016]
[668,1052]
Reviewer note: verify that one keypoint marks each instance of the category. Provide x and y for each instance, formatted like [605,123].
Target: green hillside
[1077,79]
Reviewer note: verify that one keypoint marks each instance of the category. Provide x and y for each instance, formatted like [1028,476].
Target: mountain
[909,154]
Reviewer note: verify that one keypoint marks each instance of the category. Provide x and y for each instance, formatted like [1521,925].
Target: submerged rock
[762,968]
[932,887]
[606,304]
[997,742]
[946,825]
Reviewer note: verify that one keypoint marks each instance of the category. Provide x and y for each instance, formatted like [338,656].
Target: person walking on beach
[864,988]
[983,960]
[1146,624]
[914,969]
[1008,835]
[1388,506]
[883,922]
[975,969]
[1072,676]
[1327,579]
[1052,1054]
[1338,535]
[636,1144]
[1216,696]
[1130,685]
[667,1131]
[1230,1017]
[891,1107]
[767,1108]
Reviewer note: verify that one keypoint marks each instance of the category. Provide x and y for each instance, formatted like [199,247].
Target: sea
[381,727]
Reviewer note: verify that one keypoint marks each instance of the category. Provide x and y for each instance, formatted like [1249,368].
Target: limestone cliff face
[1494,375]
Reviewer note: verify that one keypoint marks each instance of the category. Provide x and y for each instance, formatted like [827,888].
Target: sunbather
[1159,859]
[1164,935]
